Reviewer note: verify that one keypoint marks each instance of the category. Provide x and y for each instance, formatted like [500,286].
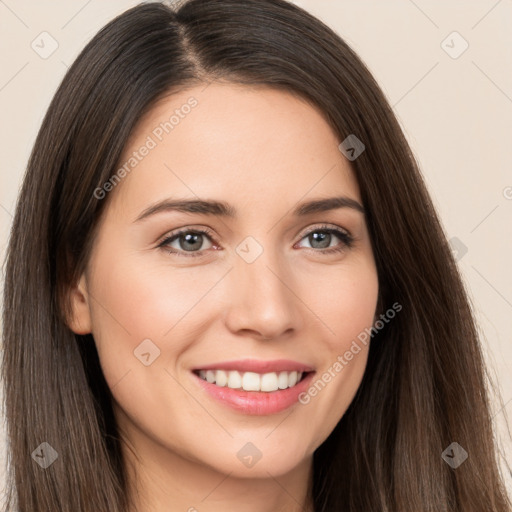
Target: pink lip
[253,365]
[256,402]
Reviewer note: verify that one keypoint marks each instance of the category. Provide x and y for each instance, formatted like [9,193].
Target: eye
[189,241]
[321,238]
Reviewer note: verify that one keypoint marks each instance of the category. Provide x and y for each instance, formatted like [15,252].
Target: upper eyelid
[210,233]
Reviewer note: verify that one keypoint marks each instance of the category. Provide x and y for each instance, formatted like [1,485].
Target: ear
[80,318]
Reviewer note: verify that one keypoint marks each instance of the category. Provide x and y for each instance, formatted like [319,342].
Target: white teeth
[234,380]
[221,378]
[269,382]
[251,381]
[282,380]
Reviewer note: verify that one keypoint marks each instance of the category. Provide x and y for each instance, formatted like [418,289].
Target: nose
[262,300]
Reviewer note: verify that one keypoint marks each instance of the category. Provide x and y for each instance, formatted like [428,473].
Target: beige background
[456,113]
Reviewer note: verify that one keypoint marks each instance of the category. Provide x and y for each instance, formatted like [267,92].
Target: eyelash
[344,236]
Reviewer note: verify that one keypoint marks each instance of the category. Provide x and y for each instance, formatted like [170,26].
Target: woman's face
[266,292]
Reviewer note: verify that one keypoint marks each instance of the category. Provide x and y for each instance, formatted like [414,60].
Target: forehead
[250,146]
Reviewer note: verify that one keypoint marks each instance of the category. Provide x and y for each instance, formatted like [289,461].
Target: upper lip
[258,366]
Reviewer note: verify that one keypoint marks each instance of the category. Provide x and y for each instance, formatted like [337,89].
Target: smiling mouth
[251,381]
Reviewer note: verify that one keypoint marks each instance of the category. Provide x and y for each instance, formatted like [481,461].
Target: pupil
[191,238]
[323,237]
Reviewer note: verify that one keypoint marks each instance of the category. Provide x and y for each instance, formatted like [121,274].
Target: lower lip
[257,402]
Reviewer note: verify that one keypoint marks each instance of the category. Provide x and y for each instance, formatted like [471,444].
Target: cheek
[347,311]
[134,301]
[344,299]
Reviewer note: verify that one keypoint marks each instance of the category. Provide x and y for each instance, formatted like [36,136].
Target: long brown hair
[425,384]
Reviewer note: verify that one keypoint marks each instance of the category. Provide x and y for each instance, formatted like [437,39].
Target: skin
[263,151]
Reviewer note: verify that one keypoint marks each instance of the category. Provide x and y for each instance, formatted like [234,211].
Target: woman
[175,339]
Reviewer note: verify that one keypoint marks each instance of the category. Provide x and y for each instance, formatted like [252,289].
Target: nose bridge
[260,288]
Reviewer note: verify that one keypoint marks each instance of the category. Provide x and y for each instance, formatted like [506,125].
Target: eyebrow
[223,209]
